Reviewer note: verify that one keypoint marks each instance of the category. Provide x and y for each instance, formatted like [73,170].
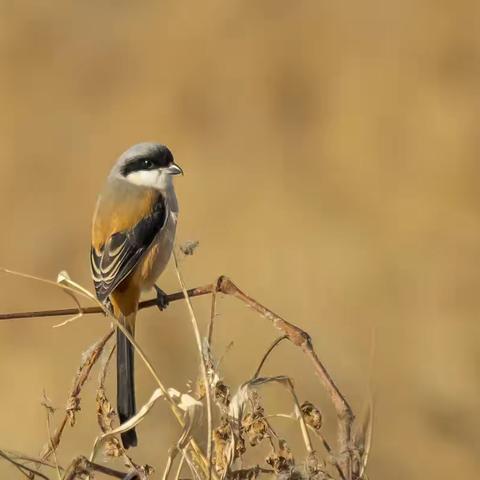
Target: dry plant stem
[80,380]
[325,444]
[171,456]
[179,468]
[301,339]
[174,408]
[303,425]
[198,339]
[81,466]
[267,353]
[26,458]
[213,314]
[103,373]
[193,292]
[54,450]
[328,449]
[297,336]
[27,471]
[344,412]
[78,383]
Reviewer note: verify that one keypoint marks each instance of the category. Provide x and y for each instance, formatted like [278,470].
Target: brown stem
[27,471]
[73,401]
[295,334]
[301,339]
[267,353]
[83,466]
[193,292]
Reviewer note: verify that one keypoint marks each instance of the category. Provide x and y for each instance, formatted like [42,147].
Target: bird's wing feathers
[123,250]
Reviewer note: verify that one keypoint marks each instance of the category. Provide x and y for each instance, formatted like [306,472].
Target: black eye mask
[161,159]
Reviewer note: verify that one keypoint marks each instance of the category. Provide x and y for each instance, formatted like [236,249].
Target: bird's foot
[108,306]
[162,298]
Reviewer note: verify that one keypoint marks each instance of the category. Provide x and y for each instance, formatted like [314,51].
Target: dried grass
[238,425]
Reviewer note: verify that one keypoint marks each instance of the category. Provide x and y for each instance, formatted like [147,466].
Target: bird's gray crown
[143,156]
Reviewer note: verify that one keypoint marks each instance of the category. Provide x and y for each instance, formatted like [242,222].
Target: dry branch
[73,402]
[82,466]
[301,339]
[224,285]
[193,292]
[27,471]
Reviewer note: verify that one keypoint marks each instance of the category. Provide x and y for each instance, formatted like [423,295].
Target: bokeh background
[331,152]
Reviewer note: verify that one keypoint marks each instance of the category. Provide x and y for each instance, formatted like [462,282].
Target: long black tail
[125,387]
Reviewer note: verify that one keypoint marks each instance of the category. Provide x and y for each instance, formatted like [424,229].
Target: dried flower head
[281,461]
[73,406]
[112,447]
[105,413]
[255,427]
[189,247]
[312,415]
[221,440]
[222,393]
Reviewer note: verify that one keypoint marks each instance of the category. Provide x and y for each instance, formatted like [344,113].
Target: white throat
[158,179]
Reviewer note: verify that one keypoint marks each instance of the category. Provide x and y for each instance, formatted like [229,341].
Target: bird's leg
[108,306]
[162,300]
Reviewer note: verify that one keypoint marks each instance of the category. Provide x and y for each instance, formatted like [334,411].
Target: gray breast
[156,260]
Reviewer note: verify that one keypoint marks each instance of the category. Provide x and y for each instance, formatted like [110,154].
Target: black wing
[123,250]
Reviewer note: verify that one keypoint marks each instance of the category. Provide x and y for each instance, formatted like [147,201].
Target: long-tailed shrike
[132,239]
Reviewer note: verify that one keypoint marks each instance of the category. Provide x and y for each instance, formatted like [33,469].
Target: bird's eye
[147,164]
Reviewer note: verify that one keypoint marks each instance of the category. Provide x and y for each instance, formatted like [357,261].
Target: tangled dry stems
[241,422]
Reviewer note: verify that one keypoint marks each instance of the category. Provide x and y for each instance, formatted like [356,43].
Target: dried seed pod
[255,427]
[189,247]
[200,390]
[255,398]
[245,473]
[73,406]
[112,448]
[240,448]
[221,439]
[222,393]
[144,471]
[314,467]
[281,461]
[312,415]
[105,412]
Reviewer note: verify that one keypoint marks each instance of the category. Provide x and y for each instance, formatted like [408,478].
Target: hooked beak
[174,169]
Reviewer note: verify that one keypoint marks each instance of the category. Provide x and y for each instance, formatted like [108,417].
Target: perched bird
[132,239]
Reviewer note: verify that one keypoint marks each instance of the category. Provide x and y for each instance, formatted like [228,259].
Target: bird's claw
[162,298]
[108,306]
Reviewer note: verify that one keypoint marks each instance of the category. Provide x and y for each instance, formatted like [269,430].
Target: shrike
[132,239]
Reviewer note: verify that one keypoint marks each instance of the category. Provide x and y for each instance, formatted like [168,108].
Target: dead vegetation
[236,420]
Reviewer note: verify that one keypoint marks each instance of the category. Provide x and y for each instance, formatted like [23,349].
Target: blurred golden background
[331,153]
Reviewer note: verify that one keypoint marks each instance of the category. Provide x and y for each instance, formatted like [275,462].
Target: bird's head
[148,165]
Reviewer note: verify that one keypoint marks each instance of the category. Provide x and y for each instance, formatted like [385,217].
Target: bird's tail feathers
[125,386]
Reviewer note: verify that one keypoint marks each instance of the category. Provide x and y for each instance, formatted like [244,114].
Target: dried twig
[213,314]
[29,459]
[82,466]
[193,292]
[316,431]
[105,412]
[49,412]
[73,402]
[27,471]
[296,335]
[267,353]
[301,339]
[196,451]
[203,356]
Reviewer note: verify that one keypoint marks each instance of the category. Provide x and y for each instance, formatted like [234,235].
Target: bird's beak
[174,169]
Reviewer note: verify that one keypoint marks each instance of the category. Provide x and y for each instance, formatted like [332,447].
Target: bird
[133,233]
